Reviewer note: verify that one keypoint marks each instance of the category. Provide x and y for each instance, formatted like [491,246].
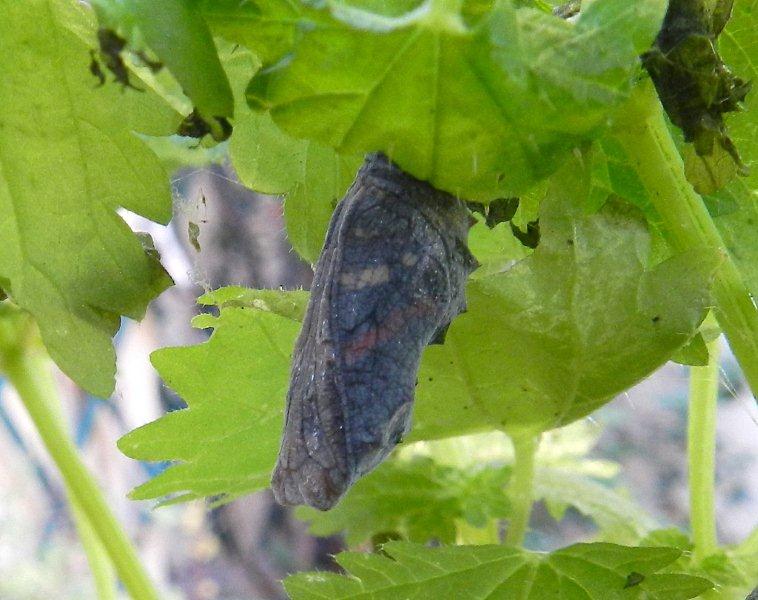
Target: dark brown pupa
[389,281]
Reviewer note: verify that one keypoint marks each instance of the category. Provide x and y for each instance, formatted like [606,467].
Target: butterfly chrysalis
[389,280]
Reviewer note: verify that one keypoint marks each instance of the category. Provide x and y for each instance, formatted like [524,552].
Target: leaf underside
[68,160]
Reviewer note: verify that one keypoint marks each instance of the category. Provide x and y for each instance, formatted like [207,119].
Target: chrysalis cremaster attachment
[389,281]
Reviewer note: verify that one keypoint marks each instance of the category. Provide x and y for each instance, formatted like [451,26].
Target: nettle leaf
[68,160]
[323,180]
[739,49]
[234,385]
[738,46]
[480,112]
[418,499]
[564,330]
[580,572]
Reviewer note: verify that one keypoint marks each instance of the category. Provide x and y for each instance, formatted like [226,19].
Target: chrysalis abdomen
[390,279]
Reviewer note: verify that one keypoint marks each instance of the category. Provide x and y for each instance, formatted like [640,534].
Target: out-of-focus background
[243,549]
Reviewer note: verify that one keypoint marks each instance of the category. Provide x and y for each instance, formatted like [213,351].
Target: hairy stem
[644,133]
[521,488]
[701,448]
[27,371]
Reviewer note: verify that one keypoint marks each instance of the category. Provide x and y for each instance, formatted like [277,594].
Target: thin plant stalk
[100,564]
[701,449]
[27,371]
[521,487]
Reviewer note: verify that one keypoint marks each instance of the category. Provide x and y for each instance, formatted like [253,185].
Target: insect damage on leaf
[695,86]
[389,281]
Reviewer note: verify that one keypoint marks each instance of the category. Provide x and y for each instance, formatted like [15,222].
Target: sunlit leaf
[479,112]
[69,159]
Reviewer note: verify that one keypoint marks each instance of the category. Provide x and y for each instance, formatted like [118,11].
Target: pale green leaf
[269,161]
[479,112]
[324,180]
[694,353]
[68,159]
[176,32]
[234,385]
[564,330]
[268,28]
[313,177]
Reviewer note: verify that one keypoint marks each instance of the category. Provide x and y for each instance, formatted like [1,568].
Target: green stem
[99,562]
[97,557]
[27,372]
[646,139]
[701,449]
[521,488]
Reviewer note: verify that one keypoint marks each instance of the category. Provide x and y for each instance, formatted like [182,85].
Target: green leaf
[290,304]
[695,352]
[177,33]
[176,152]
[323,181]
[269,161]
[68,160]
[738,228]
[313,177]
[418,499]
[268,28]
[613,173]
[480,112]
[580,572]
[564,330]
[234,385]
